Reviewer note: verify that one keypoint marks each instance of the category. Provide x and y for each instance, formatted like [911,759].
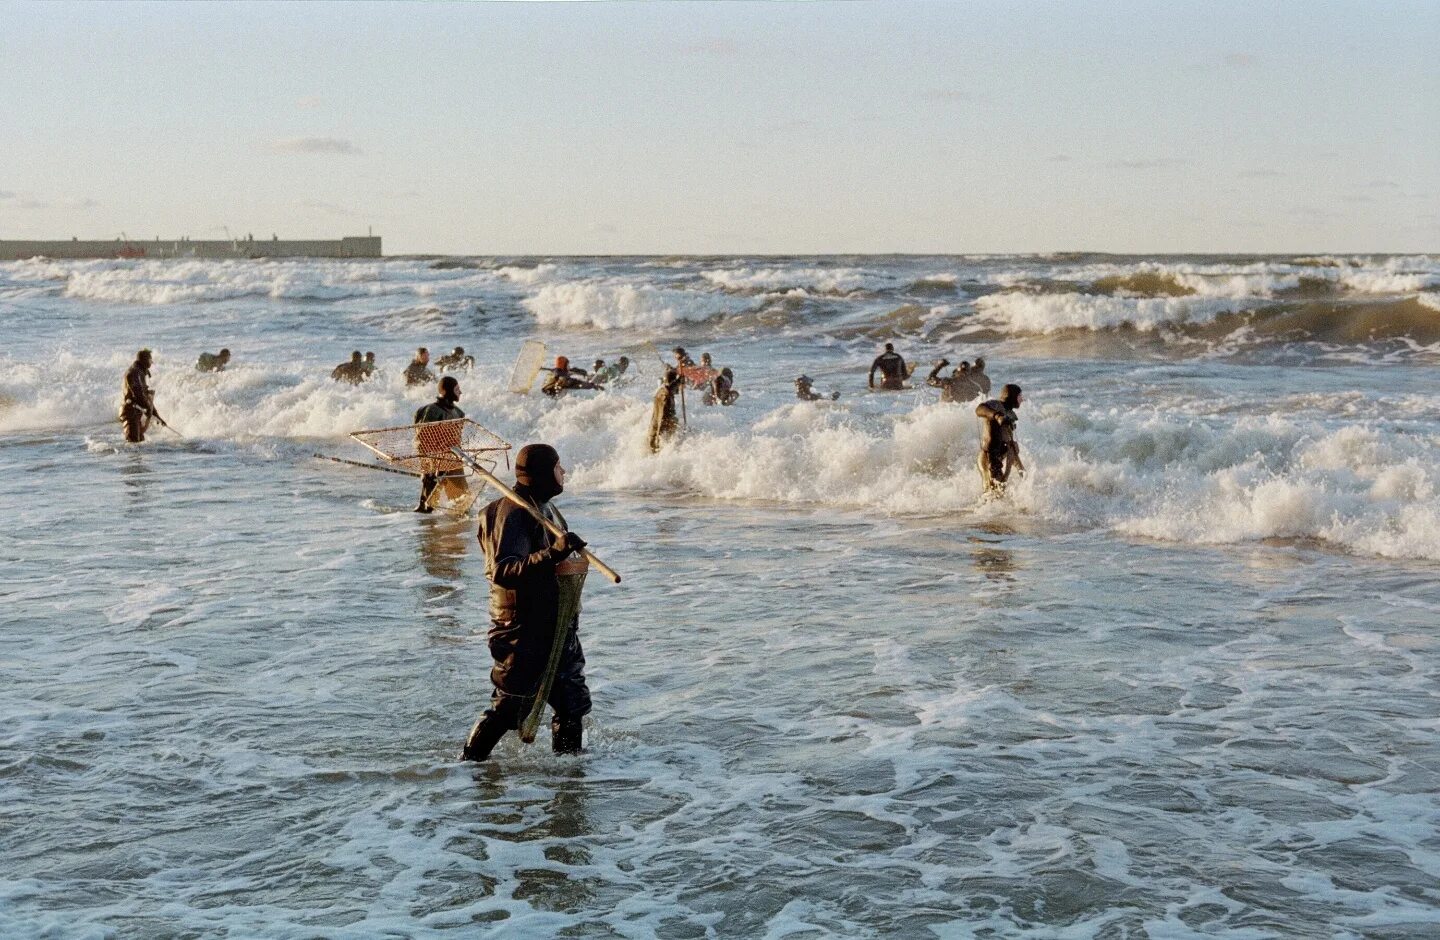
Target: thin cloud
[1261,174]
[327,207]
[309,102]
[1241,60]
[1152,163]
[1382,184]
[719,47]
[948,94]
[1060,158]
[322,145]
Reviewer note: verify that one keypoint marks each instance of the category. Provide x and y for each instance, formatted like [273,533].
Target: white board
[527,366]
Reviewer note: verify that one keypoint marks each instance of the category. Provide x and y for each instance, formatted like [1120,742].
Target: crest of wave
[1052,313]
[173,282]
[610,305]
[822,280]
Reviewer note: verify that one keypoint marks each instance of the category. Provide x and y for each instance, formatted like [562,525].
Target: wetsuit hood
[1010,396]
[535,472]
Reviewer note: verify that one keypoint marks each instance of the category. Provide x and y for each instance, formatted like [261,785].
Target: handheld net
[571,575]
[425,448]
[527,366]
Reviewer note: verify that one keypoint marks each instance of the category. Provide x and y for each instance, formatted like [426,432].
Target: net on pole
[425,448]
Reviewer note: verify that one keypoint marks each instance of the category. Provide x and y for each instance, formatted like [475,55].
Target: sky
[729,128]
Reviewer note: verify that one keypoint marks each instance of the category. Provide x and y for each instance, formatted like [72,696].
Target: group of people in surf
[359,368]
[534,640]
[565,378]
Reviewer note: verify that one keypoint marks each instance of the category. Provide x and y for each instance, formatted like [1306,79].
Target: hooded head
[535,472]
[889,347]
[599,364]
[459,351]
[624,363]
[224,355]
[979,363]
[705,359]
[1010,396]
[143,357]
[450,389]
[804,380]
[369,357]
[422,355]
[355,356]
[561,362]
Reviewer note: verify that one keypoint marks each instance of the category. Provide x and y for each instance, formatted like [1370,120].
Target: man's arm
[989,410]
[873,366]
[933,379]
[514,562]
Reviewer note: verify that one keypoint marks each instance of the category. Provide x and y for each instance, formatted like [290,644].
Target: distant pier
[362,246]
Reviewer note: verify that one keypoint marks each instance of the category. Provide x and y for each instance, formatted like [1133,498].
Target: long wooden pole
[539,516]
[367,466]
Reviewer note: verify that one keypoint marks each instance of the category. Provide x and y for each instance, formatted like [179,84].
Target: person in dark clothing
[215,363]
[418,371]
[521,559]
[455,360]
[664,422]
[959,387]
[978,376]
[721,390]
[604,375]
[137,402]
[892,369]
[352,371]
[368,366]
[563,378]
[440,467]
[682,358]
[999,451]
[805,392]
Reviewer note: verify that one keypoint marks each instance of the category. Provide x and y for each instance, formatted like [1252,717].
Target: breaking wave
[620,305]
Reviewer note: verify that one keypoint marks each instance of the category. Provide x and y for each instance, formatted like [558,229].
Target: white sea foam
[809,279]
[1051,313]
[621,305]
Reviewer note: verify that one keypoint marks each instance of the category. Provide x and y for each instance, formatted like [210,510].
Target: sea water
[1180,682]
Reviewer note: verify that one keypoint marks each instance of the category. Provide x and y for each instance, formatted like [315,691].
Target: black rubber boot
[483,737]
[427,486]
[565,735]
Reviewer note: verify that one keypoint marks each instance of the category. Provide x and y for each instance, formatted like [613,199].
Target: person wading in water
[521,559]
[137,403]
[892,368]
[443,408]
[999,451]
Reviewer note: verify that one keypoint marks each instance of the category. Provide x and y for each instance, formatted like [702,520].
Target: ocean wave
[1237,473]
[1053,313]
[623,305]
[817,280]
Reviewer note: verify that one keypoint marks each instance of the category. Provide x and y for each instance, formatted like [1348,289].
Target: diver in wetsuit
[563,378]
[418,371]
[805,392]
[137,404]
[521,559]
[604,375]
[664,422]
[438,464]
[352,371]
[213,363]
[999,451]
[959,387]
[455,360]
[721,389]
[892,369]
[367,367]
[978,376]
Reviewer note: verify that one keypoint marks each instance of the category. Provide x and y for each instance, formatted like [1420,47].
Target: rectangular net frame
[425,448]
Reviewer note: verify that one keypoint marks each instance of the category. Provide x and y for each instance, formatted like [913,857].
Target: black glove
[572,543]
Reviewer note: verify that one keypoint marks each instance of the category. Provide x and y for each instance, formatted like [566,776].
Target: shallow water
[1182,683]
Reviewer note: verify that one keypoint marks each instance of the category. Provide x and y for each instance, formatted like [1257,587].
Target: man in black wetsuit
[805,391]
[721,390]
[137,405]
[418,371]
[213,363]
[520,562]
[455,360]
[978,376]
[439,466]
[959,387]
[892,369]
[352,371]
[999,451]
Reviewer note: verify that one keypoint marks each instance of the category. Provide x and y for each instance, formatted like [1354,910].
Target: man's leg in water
[570,698]
[503,715]
[427,490]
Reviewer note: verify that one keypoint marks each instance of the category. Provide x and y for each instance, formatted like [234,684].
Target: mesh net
[425,448]
[569,608]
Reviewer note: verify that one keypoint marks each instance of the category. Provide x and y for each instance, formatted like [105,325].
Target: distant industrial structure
[362,246]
